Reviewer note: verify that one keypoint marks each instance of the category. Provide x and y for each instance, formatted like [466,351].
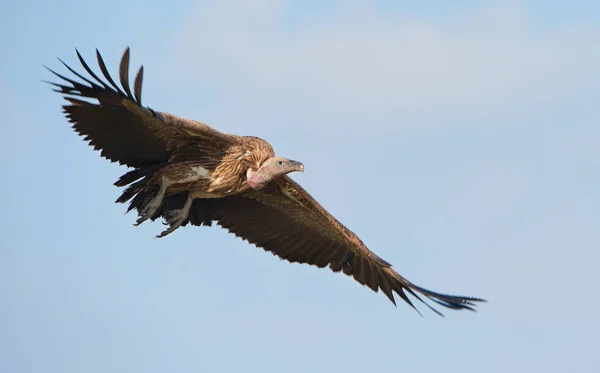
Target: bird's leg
[176,218]
[152,207]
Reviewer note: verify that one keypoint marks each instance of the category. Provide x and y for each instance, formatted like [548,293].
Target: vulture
[183,171]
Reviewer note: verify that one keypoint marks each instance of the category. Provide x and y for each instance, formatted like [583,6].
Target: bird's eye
[280,163]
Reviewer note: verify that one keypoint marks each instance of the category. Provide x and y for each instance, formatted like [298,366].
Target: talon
[149,211]
[176,218]
[167,231]
[152,207]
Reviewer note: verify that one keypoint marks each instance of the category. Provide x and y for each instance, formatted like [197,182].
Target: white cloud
[359,64]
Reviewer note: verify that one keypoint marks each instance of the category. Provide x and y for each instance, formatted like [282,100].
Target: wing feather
[106,73]
[90,71]
[121,128]
[285,220]
[124,73]
[137,85]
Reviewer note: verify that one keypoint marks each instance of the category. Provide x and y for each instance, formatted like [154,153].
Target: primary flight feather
[187,172]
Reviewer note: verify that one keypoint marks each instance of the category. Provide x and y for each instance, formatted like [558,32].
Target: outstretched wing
[286,221]
[119,126]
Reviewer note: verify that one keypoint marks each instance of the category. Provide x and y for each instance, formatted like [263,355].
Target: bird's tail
[138,173]
[138,190]
[141,191]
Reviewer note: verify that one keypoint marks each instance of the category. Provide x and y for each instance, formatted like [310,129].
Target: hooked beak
[298,166]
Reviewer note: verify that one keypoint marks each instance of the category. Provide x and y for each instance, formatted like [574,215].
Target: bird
[186,172]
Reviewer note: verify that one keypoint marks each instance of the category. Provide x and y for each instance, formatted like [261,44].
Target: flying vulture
[184,171]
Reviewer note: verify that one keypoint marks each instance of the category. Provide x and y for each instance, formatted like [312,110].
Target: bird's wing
[119,126]
[286,221]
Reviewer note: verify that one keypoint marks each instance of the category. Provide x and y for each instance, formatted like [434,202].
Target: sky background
[460,140]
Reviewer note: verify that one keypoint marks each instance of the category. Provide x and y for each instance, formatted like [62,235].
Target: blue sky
[459,142]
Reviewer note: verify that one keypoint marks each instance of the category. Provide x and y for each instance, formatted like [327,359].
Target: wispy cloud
[373,66]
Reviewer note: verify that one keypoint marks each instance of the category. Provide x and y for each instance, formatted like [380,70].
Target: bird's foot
[174,219]
[148,211]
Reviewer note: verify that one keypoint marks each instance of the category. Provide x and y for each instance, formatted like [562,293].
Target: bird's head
[271,169]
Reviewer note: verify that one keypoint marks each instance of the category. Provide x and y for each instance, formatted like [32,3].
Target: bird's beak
[298,166]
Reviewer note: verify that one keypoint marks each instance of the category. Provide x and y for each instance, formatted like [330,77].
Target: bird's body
[187,172]
[219,173]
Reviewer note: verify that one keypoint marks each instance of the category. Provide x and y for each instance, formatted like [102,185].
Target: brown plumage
[187,172]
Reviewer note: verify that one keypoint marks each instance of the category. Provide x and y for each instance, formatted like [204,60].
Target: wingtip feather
[124,72]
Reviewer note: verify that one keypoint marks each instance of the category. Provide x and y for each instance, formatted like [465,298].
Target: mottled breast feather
[229,177]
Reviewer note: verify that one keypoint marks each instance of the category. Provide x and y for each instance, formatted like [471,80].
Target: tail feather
[138,190]
[140,193]
[131,191]
[138,173]
[141,199]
